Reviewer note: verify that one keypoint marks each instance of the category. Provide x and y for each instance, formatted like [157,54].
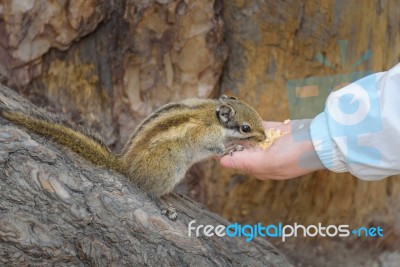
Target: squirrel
[163,147]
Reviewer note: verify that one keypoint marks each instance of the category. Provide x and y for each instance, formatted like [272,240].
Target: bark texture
[57,210]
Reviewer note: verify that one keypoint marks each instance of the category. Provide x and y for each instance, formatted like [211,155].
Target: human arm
[359,130]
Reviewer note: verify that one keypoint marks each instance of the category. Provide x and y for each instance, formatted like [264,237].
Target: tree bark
[57,209]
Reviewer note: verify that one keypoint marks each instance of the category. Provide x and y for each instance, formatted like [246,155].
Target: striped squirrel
[163,147]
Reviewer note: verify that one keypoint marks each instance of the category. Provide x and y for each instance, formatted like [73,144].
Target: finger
[235,163]
[276,125]
[242,161]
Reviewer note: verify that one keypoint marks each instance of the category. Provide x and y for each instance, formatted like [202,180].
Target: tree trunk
[56,209]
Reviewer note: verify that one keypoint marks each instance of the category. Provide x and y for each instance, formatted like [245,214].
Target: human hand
[286,158]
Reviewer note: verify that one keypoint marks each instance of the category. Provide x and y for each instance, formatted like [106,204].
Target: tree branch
[57,209]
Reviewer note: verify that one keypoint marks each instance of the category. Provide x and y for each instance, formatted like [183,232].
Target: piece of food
[272,135]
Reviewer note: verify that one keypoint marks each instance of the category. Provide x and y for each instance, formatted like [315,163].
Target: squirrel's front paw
[166,209]
[232,149]
[170,212]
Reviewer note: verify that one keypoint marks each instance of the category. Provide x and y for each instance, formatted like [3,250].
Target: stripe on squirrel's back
[157,114]
[186,104]
[166,117]
[142,141]
[161,121]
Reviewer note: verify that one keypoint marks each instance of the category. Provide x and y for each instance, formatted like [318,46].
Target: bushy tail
[78,139]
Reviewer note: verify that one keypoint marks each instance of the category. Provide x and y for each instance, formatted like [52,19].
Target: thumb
[227,162]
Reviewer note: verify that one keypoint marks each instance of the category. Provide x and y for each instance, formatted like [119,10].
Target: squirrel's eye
[245,128]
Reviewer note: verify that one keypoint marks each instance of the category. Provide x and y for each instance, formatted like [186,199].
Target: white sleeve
[359,130]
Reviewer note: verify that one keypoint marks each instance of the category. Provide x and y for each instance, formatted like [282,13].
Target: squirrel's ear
[223,97]
[225,112]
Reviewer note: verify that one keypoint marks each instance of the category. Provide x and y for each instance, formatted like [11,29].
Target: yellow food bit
[286,122]
[272,135]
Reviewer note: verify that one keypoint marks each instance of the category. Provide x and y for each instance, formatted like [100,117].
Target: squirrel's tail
[76,138]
